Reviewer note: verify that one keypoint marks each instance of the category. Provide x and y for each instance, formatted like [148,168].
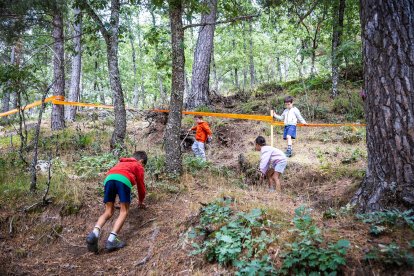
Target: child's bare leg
[276,179]
[289,140]
[109,211]
[121,218]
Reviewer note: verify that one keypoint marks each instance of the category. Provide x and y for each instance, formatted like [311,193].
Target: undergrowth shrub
[306,255]
[155,166]
[194,164]
[390,255]
[350,105]
[238,239]
[92,166]
[382,220]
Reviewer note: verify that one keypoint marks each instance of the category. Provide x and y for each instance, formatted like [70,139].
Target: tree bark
[58,115]
[279,69]
[202,57]
[111,40]
[6,94]
[338,24]
[388,52]
[173,164]
[134,67]
[70,111]
[252,72]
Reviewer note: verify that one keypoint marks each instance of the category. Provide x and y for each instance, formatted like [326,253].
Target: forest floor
[325,171]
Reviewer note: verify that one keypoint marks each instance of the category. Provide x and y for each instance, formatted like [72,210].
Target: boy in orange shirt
[203,133]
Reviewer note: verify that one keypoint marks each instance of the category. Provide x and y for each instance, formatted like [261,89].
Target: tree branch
[234,19]
[96,18]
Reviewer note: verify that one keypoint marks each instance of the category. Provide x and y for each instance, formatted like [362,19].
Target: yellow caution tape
[60,100]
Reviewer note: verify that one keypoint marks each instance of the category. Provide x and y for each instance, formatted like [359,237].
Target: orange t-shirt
[202,131]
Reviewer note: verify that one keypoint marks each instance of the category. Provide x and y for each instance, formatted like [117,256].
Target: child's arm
[264,161]
[299,116]
[139,176]
[279,117]
[207,129]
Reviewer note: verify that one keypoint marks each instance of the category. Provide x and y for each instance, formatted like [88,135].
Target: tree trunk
[141,62]
[279,69]
[173,164]
[388,51]
[338,25]
[119,133]
[134,64]
[252,73]
[202,58]
[111,41]
[6,94]
[58,115]
[70,111]
[215,78]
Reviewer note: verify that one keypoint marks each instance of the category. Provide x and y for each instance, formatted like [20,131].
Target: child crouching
[272,163]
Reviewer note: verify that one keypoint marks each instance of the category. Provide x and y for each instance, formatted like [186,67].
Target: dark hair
[141,155]
[260,140]
[289,99]
[198,117]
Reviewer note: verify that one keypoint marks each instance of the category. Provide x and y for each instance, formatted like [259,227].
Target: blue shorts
[113,188]
[289,130]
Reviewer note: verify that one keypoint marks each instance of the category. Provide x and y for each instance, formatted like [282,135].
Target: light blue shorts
[280,166]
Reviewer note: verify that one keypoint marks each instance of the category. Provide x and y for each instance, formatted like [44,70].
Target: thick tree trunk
[202,58]
[338,25]
[388,51]
[70,111]
[173,164]
[58,115]
[119,133]
[252,73]
[214,68]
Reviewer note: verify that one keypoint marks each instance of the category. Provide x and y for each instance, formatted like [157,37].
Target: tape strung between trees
[60,100]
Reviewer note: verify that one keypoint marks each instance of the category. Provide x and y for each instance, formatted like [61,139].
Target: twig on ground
[145,223]
[150,249]
[33,206]
[11,226]
[65,240]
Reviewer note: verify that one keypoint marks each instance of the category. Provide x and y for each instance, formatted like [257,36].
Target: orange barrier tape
[60,100]
[82,104]
[224,115]
[34,104]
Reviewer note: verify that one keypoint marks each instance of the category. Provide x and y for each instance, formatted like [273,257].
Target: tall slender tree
[388,51]
[173,128]
[337,26]
[74,89]
[58,116]
[202,58]
[111,40]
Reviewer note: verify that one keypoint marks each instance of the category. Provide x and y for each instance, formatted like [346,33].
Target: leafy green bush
[239,239]
[194,164]
[92,166]
[306,256]
[252,106]
[203,108]
[351,106]
[391,255]
[387,218]
[155,165]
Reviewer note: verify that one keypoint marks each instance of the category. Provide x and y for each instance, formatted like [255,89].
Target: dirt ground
[48,242]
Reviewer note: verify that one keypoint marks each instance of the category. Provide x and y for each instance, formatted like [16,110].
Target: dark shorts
[289,130]
[113,188]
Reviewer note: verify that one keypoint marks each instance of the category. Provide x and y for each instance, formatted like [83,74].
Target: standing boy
[119,181]
[272,163]
[203,133]
[290,116]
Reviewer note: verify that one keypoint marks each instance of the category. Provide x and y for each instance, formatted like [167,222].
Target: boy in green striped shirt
[119,181]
